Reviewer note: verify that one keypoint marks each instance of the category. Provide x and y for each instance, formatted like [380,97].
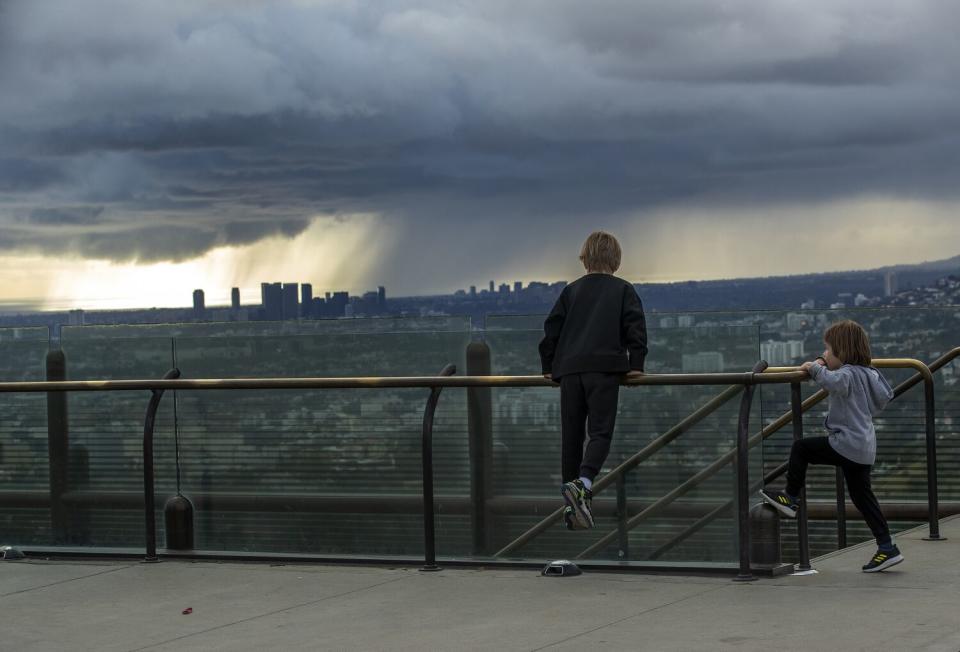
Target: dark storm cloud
[64,216]
[190,125]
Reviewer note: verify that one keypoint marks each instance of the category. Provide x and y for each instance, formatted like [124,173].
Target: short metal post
[58,448]
[429,528]
[148,498]
[933,510]
[803,537]
[480,430]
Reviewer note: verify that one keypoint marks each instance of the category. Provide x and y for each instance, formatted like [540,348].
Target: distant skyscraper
[517,286]
[890,286]
[273,301]
[504,288]
[291,309]
[263,294]
[337,304]
[491,286]
[306,300]
[198,303]
[473,290]
[235,298]
[381,297]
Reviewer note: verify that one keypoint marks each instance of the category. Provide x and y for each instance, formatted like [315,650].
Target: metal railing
[434,383]
[798,407]
[740,383]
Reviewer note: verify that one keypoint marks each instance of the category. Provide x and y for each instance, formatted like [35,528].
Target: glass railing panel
[24,468]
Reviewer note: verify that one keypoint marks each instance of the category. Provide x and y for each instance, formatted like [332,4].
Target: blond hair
[600,253]
[849,342]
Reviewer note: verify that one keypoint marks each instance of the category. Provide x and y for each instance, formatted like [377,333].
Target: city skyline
[428,144]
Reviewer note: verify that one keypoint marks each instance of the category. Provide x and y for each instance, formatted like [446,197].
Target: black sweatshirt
[596,321]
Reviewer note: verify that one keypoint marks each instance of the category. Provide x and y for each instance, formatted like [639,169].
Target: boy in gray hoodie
[857,392]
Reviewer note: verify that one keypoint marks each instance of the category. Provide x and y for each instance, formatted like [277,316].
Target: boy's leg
[861,493]
[602,393]
[858,482]
[573,419]
[813,450]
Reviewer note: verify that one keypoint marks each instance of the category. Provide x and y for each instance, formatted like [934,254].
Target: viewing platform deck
[114,605]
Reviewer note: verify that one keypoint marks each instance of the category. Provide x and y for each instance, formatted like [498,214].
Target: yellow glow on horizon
[328,254]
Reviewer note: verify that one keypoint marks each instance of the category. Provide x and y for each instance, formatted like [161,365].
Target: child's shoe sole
[893,561]
[580,512]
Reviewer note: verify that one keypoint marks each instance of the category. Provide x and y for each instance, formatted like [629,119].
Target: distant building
[473,291]
[685,321]
[837,305]
[809,304]
[291,307]
[272,301]
[491,287]
[504,288]
[381,298]
[306,300]
[517,286]
[76,318]
[860,300]
[890,284]
[798,321]
[702,363]
[779,353]
[668,322]
[337,304]
[199,306]
[235,298]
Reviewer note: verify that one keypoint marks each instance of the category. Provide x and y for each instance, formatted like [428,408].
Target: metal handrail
[381,382]
[435,383]
[933,367]
[786,418]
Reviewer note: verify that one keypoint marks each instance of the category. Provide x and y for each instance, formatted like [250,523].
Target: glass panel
[335,471]
[24,468]
[526,446]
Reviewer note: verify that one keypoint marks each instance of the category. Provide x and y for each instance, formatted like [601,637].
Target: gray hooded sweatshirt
[856,394]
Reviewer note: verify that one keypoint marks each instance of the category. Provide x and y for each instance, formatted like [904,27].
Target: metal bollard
[764,535]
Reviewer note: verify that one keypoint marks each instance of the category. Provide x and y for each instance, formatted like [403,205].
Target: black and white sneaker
[578,499]
[883,560]
[781,501]
[569,520]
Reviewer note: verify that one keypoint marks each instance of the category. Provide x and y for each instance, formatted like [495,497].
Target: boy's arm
[633,326]
[836,382]
[551,329]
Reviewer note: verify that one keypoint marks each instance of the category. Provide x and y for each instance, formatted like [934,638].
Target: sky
[150,148]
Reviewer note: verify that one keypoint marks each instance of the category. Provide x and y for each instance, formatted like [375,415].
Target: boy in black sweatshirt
[594,335]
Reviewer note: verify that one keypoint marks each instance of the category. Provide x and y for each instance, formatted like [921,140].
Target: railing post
[480,429]
[743,477]
[429,528]
[148,498]
[796,407]
[933,509]
[841,511]
[58,447]
[622,516]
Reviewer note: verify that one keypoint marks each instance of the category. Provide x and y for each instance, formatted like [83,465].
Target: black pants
[817,450]
[588,406]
